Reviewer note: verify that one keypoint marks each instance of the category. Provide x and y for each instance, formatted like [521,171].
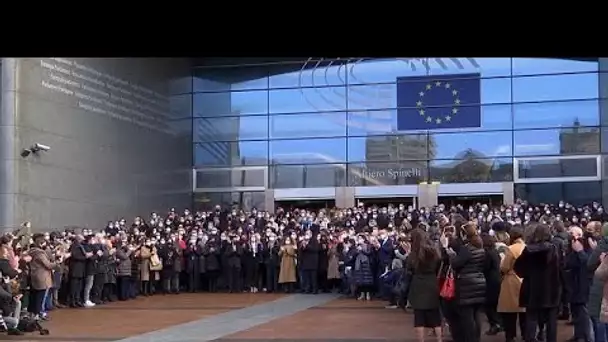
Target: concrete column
[269,200]
[423,195]
[508,193]
[347,197]
[8,158]
[433,195]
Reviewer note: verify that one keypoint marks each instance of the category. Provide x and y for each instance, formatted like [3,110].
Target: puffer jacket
[468,265]
[597,286]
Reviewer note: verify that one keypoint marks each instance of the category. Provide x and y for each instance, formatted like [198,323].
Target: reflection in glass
[556,114]
[308,151]
[231,153]
[225,178]
[539,66]
[230,104]
[387,173]
[472,169]
[389,148]
[232,128]
[555,88]
[381,122]
[313,73]
[206,201]
[307,176]
[318,125]
[549,168]
[564,141]
[487,67]
[230,78]
[576,193]
[309,100]
[482,144]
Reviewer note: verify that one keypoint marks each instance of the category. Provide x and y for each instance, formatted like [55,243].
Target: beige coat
[41,270]
[287,272]
[145,253]
[508,300]
[333,266]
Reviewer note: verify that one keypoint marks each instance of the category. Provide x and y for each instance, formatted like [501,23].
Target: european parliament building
[132,135]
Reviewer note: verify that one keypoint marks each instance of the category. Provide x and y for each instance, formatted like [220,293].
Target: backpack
[27,324]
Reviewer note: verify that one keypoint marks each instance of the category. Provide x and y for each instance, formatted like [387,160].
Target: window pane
[381,122]
[377,70]
[487,67]
[180,106]
[313,73]
[466,144]
[384,96]
[556,114]
[223,178]
[388,148]
[539,66]
[231,153]
[318,125]
[231,128]
[577,140]
[555,88]
[235,77]
[308,151]
[586,167]
[308,176]
[472,170]
[576,193]
[308,100]
[245,200]
[392,173]
[231,104]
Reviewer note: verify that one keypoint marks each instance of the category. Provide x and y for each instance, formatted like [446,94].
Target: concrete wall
[116,146]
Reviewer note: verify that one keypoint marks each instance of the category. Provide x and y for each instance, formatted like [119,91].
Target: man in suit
[77,271]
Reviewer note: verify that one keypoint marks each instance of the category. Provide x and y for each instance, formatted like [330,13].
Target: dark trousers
[470,322]
[235,282]
[194,281]
[535,316]
[322,280]
[309,281]
[36,301]
[98,282]
[492,315]
[123,287]
[509,321]
[450,312]
[76,286]
[212,277]
[272,278]
[580,318]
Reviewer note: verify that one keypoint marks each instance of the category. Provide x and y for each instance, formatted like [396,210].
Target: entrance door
[466,201]
[305,204]
[385,201]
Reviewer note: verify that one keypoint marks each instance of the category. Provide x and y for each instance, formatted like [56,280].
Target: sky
[371,107]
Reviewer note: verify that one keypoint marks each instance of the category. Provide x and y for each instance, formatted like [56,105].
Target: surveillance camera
[40,147]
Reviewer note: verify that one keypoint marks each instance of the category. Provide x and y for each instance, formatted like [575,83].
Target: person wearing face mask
[101,268]
[272,263]
[309,251]
[77,271]
[211,262]
[287,270]
[41,280]
[123,269]
[363,276]
[252,258]
[170,256]
[143,255]
[194,266]
[234,254]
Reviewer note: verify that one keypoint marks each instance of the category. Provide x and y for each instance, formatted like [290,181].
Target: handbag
[447,289]
[155,264]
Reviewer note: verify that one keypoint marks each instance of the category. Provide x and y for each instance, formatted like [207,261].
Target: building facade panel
[329,114]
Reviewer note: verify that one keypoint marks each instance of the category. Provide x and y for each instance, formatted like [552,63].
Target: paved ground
[235,317]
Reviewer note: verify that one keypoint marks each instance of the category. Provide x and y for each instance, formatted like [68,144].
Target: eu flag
[438,102]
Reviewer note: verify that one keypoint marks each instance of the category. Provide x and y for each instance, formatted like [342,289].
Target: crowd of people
[532,263]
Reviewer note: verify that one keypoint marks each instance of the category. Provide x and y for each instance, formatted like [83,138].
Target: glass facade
[333,123]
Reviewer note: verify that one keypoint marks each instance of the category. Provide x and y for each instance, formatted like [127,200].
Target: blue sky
[371,107]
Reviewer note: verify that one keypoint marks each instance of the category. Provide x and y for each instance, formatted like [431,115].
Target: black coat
[492,274]
[310,256]
[212,255]
[540,266]
[469,266]
[579,278]
[77,261]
